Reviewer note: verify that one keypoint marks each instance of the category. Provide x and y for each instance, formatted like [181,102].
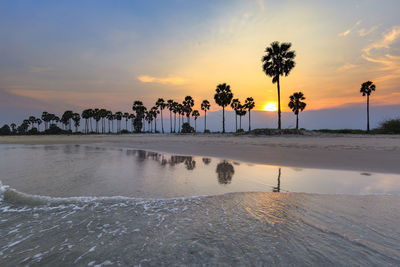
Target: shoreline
[364,153]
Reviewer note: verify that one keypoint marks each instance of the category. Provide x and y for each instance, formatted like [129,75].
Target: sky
[58,55]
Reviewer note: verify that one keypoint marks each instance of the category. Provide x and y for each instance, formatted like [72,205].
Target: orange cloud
[169,80]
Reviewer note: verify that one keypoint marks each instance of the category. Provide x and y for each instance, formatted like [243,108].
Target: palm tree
[366,90]
[170,106]
[223,97]
[188,103]
[161,104]
[126,116]
[45,117]
[118,117]
[154,112]
[13,127]
[195,114]
[205,105]
[235,105]
[241,111]
[296,104]
[110,118]
[32,121]
[175,110]
[180,113]
[249,105]
[278,61]
[103,116]
[86,116]
[38,122]
[76,118]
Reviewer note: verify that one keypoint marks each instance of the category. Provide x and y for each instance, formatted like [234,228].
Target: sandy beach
[326,151]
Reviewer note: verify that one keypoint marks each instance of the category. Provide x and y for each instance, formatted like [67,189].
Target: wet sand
[375,153]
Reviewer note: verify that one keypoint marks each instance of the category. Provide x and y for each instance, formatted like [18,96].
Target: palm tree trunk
[223,119]
[279,104]
[367,113]
[249,122]
[155,125]
[205,120]
[240,123]
[174,122]
[170,120]
[235,121]
[297,121]
[179,123]
[195,128]
[162,122]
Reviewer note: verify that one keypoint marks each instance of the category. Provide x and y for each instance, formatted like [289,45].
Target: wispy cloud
[364,32]
[386,41]
[348,31]
[168,80]
[347,66]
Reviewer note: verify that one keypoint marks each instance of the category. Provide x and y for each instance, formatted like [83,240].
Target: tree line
[277,62]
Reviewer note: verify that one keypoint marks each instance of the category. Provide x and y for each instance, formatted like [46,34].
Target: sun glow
[271,106]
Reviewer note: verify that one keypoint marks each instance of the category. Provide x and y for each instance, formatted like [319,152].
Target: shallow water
[149,225]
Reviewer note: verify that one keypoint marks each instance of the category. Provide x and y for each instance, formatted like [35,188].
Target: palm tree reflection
[206,161]
[225,172]
[277,188]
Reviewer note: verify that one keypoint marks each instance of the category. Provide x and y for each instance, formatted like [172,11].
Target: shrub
[207,131]
[390,127]
[5,130]
[240,131]
[125,131]
[186,128]
[33,131]
[54,129]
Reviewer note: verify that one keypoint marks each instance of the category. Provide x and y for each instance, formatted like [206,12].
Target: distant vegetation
[278,61]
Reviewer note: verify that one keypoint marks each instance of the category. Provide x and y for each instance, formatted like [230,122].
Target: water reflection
[206,161]
[225,172]
[277,188]
[83,170]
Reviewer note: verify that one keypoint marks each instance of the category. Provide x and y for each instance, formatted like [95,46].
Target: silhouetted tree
[170,106]
[241,111]
[140,114]
[188,104]
[195,114]
[296,104]
[249,105]
[366,90]
[205,105]
[77,119]
[223,97]
[235,105]
[161,105]
[278,61]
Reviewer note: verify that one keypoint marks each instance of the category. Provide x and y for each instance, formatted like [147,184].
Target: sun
[271,106]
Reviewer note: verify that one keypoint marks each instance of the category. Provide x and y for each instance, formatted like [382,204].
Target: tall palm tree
[170,106]
[188,104]
[296,104]
[154,112]
[205,105]
[195,114]
[278,61]
[235,105]
[175,110]
[76,118]
[180,114]
[223,97]
[161,104]
[249,105]
[126,116]
[118,117]
[110,119]
[86,116]
[13,127]
[45,117]
[103,116]
[366,90]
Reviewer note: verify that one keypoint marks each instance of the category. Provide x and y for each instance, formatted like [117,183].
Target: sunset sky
[57,55]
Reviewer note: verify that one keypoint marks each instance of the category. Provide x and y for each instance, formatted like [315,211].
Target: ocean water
[98,206]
